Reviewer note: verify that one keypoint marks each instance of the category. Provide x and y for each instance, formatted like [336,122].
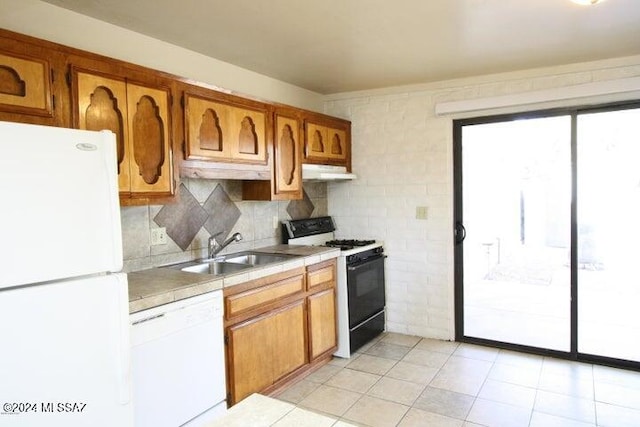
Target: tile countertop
[158,286]
[261,411]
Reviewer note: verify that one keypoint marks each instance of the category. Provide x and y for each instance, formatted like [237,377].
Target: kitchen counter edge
[158,286]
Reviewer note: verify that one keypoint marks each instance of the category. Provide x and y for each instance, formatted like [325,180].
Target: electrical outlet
[421,212]
[158,236]
[275,222]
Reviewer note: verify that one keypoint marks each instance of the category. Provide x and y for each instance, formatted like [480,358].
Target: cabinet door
[288,157]
[265,349]
[24,85]
[322,322]
[248,354]
[101,103]
[206,125]
[315,141]
[149,140]
[289,339]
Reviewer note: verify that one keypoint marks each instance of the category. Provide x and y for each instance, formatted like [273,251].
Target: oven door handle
[363,263]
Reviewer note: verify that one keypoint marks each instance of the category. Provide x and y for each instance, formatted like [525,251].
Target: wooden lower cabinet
[264,349]
[322,322]
[279,327]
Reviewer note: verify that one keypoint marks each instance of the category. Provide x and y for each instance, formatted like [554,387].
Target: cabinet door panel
[287,148]
[322,322]
[102,104]
[151,162]
[206,125]
[336,144]
[249,369]
[248,133]
[316,141]
[290,344]
[24,85]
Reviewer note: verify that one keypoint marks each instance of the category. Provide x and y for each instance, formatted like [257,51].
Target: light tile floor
[400,380]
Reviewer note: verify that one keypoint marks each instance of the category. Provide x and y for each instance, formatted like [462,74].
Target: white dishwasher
[178,363]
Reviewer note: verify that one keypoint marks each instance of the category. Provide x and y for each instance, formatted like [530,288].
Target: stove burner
[346,244]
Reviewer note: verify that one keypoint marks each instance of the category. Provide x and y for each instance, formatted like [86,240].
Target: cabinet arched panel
[25,85]
[248,139]
[148,139]
[210,135]
[103,112]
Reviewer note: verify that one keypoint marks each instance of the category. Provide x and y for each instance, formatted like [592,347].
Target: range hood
[325,173]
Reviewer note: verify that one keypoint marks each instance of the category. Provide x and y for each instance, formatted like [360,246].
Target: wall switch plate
[275,221]
[421,212]
[158,236]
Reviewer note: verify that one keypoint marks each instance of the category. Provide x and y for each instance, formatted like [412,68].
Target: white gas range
[361,281]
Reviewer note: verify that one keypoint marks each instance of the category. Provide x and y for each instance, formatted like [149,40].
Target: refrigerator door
[61,215]
[65,354]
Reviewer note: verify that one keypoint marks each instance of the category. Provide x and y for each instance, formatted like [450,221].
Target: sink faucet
[215,247]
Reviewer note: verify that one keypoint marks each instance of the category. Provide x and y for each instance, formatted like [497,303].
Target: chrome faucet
[215,247]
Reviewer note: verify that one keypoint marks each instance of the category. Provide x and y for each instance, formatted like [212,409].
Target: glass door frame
[459,233]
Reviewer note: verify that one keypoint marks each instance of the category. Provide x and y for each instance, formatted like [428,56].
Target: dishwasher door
[178,361]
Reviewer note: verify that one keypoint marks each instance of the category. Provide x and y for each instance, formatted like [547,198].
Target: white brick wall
[403,157]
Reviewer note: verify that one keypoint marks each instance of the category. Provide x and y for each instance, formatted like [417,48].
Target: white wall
[403,156]
[45,21]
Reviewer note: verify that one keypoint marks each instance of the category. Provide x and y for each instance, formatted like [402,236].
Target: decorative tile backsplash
[205,207]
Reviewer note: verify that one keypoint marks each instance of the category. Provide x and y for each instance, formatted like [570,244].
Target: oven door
[365,285]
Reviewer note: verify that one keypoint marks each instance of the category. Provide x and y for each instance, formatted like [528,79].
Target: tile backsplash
[205,207]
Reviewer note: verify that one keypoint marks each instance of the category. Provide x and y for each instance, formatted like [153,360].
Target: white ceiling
[331,46]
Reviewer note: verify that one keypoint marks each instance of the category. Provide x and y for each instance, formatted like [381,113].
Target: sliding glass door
[546,210]
[608,152]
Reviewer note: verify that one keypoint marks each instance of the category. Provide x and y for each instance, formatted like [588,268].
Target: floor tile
[466,384]
[439,346]
[539,419]
[398,391]
[514,375]
[619,377]
[444,402]
[616,416]
[523,360]
[389,351]
[565,406]
[496,414]
[350,379]
[463,366]
[298,391]
[343,361]
[323,374]
[476,352]
[419,418]
[427,358]
[569,385]
[412,372]
[399,339]
[511,394]
[372,364]
[376,412]
[617,395]
[583,371]
[330,400]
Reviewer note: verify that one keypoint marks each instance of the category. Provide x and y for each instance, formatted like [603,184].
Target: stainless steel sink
[256,258]
[211,267]
[232,263]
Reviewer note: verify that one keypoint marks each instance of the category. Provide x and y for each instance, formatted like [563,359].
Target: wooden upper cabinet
[327,143]
[139,116]
[222,132]
[25,86]
[286,180]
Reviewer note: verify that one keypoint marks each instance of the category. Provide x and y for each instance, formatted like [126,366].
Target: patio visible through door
[547,209]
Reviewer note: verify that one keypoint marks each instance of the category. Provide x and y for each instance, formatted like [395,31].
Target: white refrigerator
[64,330]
